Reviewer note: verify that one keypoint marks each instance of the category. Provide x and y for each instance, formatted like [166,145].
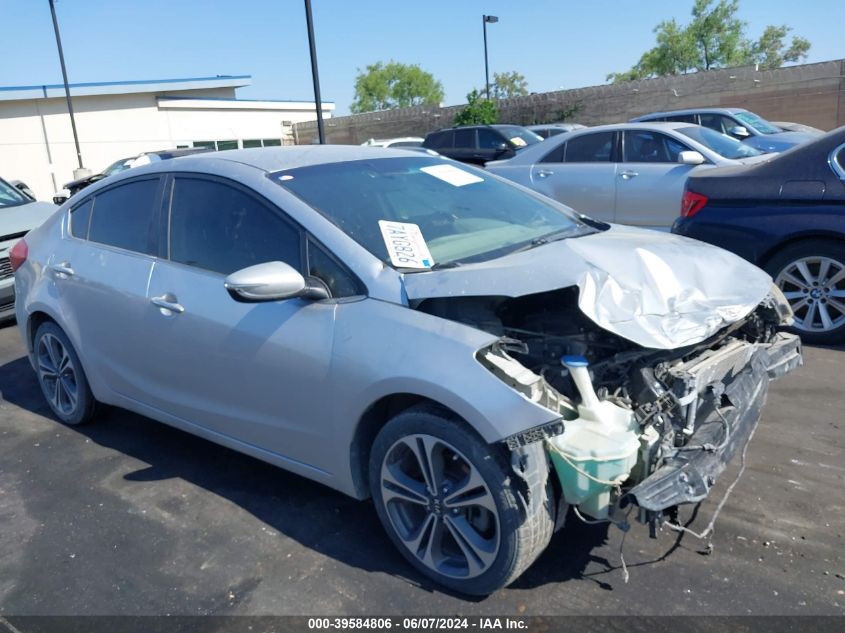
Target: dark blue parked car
[786,215]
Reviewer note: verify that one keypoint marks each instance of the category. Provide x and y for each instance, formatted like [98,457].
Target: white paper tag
[405,245]
[451,174]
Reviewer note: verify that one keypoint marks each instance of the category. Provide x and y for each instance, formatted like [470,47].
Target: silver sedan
[631,173]
[397,325]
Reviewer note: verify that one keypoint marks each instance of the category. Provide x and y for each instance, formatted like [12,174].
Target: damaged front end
[653,428]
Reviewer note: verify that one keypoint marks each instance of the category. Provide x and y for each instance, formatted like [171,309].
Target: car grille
[5,268]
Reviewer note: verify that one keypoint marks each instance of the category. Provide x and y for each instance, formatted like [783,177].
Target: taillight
[18,254]
[692,203]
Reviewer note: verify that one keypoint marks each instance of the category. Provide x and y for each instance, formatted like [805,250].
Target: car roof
[272,159]
[692,111]
[632,125]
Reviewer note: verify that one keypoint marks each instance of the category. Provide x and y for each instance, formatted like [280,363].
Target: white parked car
[402,141]
[630,173]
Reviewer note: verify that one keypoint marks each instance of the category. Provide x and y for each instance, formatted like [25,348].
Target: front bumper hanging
[727,420]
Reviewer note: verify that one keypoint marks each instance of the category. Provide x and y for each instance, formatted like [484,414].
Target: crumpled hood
[658,290]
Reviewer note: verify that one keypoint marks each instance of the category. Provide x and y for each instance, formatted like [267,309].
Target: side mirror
[690,157]
[739,131]
[60,197]
[270,281]
[23,188]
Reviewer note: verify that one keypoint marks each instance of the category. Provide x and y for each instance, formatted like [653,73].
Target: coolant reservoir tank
[598,449]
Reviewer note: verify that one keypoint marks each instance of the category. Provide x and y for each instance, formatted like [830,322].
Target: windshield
[724,145]
[521,137]
[117,167]
[757,122]
[464,214]
[10,196]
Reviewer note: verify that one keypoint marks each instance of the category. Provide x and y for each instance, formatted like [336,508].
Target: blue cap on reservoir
[573,361]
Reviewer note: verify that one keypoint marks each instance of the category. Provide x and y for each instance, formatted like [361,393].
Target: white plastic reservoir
[597,450]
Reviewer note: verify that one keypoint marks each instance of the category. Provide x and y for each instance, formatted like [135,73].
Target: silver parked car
[19,213]
[401,326]
[631,173]
[547,130]
[746,126]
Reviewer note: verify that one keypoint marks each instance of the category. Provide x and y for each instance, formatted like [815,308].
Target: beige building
[117,120]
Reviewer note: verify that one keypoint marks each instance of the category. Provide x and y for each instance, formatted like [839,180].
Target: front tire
[449,504]
[61,376]
[811,275]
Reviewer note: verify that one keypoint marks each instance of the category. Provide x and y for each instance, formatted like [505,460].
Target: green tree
[393,85]
[771,52]
[506,85]
[714,38]
[478,111]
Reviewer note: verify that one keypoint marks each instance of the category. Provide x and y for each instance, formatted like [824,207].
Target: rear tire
[60,374]
[811,275]
[471,533]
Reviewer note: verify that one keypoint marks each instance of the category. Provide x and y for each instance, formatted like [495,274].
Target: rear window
[122,216]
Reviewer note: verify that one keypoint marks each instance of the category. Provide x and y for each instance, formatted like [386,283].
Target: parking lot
[128,516]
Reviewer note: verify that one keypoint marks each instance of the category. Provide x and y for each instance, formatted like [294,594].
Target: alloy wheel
[440,506]
[57,374]
[815,288]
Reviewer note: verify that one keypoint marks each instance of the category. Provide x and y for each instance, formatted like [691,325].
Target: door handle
[544,173]
[62,270]
[627,175]
[168,302]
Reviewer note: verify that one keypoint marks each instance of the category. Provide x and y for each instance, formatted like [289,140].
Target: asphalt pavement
[129,516]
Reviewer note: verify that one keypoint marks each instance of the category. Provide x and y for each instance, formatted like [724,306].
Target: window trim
[153,237]
[834,161]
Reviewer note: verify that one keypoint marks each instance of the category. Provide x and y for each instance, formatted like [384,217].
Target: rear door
[250,371]
[581,174]
[650,180]
[101,272]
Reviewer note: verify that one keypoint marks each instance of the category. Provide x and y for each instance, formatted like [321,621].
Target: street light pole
[64,78]
[487,19]
[315,75]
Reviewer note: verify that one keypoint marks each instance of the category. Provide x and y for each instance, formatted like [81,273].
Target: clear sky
[554,43]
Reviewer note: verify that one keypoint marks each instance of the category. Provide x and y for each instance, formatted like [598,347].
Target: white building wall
[36,140]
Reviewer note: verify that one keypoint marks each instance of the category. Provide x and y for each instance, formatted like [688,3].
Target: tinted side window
[438,140]
[489,139]
[644,146]
[681,118]
[589,148]
[122,216]
[554,156]
[717,122]
[222,229]
[465,138]
[321,265]
[80,217]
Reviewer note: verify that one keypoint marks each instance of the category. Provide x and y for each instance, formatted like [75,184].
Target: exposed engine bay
[648,427]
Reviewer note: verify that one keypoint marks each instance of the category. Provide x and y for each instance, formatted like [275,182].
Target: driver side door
[248,371]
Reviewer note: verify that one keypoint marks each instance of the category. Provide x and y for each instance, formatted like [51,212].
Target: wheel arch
[374,418]
[792,240]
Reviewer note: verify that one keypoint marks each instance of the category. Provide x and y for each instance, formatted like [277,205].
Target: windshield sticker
[451,174]
[405,244]
[519,142]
